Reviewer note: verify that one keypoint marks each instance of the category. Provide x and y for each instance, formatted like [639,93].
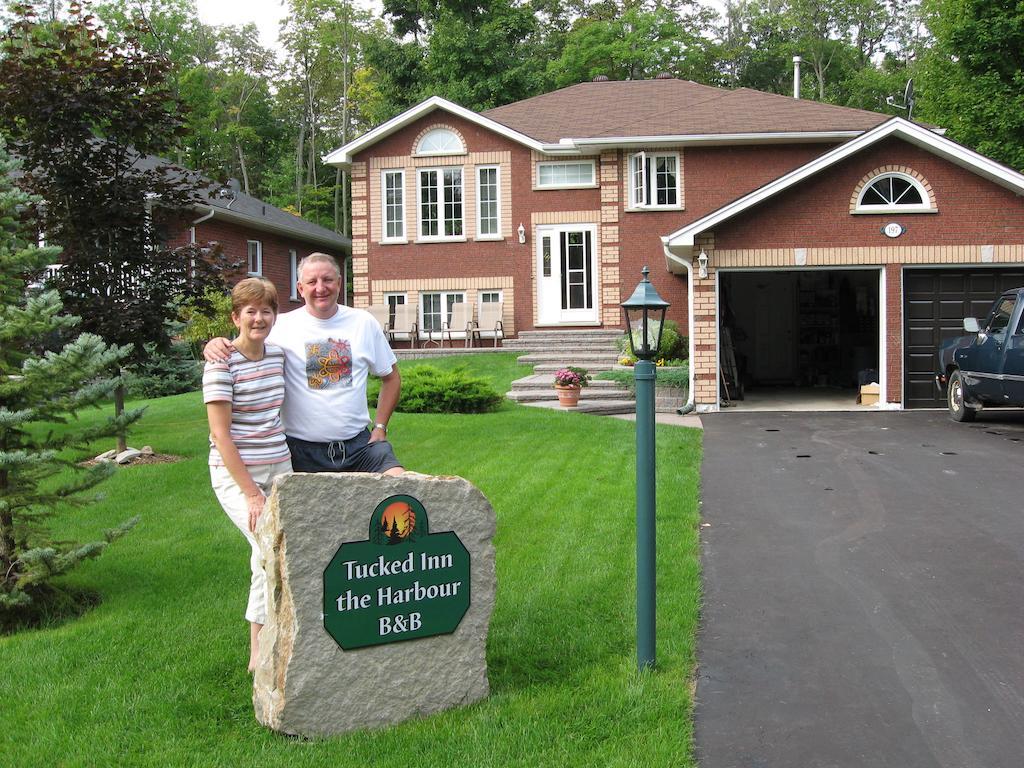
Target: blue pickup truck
[985,367]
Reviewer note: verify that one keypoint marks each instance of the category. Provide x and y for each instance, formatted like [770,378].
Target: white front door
[567,290]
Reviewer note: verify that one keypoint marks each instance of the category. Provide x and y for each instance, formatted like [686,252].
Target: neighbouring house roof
[583,118]
[679,244]
[231,204]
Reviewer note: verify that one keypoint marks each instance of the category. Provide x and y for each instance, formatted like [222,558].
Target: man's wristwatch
[378,425]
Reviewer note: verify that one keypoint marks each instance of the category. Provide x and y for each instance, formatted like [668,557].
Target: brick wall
[628,240]
[971,210]
[276,265]
[894,332]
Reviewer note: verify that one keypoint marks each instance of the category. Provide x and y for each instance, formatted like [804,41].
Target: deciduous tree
[89,120]
[972,81]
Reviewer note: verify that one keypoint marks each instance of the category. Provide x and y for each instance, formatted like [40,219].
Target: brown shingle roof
[671,107]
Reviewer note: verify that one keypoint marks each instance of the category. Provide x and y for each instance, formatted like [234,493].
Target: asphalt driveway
[864,580]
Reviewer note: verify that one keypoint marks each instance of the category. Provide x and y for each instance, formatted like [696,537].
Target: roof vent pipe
[601,79]
[663,76]
[796,77]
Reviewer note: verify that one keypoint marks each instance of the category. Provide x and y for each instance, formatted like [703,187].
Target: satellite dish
[908,99]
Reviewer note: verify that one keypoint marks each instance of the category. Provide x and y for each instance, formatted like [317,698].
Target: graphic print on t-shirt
[329,364]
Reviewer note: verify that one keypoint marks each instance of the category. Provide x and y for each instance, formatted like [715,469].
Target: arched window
[893,192]
[440,141]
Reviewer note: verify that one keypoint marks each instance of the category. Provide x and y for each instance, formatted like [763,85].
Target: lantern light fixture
[702,265]
[645,316]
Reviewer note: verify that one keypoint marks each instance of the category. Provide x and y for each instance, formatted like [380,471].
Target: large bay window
[440,201]
[654,180]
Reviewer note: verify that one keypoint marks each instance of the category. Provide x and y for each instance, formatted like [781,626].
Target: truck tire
[955,400]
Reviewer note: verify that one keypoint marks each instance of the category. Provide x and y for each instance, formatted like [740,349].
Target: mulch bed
[153,458]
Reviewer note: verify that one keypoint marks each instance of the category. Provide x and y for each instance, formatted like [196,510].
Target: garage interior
[798,340]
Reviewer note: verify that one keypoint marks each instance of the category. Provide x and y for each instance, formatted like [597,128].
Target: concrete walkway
[863,578]
[673,419]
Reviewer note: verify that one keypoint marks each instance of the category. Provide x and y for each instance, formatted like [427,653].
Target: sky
[265,14]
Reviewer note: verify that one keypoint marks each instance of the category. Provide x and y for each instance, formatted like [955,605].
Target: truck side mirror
[971,325]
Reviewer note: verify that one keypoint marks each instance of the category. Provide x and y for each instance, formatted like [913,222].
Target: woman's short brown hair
[253,290]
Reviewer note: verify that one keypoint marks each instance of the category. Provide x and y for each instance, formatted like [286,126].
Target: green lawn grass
[155,675]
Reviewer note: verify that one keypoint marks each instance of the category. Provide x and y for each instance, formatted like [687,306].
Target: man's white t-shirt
[327,363]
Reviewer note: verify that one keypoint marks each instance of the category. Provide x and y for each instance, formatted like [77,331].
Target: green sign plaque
[402,583]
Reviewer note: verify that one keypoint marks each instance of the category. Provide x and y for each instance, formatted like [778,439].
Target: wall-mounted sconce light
[702,265]
[522,233]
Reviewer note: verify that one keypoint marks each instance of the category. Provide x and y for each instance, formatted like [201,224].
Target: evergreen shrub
[160,374]
[427,389]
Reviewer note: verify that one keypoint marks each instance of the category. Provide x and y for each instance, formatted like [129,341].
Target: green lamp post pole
[645,317]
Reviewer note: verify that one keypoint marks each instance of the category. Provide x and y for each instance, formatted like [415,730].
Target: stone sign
[380,595]
[401,583]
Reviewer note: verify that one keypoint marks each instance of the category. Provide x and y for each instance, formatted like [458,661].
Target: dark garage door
[936,301]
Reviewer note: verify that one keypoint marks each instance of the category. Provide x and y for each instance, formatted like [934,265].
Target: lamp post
[645,318]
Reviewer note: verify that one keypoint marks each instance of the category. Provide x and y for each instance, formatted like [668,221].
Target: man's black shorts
[356,454]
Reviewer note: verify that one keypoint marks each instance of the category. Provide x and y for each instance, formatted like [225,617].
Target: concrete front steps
[599,397]
[549,351]
[597,339]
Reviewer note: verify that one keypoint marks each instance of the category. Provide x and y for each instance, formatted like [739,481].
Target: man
[330,351]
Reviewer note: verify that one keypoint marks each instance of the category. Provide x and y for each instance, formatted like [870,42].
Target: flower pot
[568,397]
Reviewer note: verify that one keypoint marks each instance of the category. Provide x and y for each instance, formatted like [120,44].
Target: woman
[243,399]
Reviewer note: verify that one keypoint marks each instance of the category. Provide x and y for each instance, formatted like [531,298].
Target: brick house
[800,244]
[269,241]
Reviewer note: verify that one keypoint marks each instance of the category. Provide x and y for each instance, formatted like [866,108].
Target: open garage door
[802,339]
[935,302]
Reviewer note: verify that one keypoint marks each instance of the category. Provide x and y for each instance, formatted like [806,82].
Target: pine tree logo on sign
[401,583]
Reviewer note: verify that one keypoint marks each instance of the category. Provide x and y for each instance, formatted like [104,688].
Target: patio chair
[404,328]
[460,323]
[489,324]
[380,314]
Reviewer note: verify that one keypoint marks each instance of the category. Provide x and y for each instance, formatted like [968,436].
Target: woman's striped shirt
[255,389]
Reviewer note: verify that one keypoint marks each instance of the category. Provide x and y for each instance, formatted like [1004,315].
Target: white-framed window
[573,174]
[394,300]
[436,308]
[488,203]
[893,193]
[654,180]
[255,254]
[440,204]
[392,184]
[489,297]
[440,141]
[293,275]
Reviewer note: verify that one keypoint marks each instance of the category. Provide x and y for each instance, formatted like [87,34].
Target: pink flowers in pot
[572,376]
